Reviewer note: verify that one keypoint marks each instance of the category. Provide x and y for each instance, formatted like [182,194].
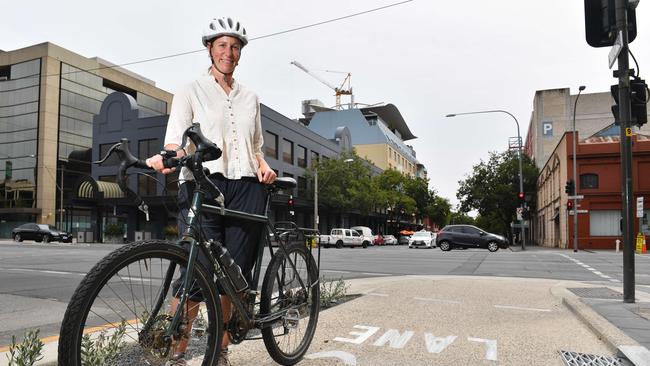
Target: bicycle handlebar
[206,150]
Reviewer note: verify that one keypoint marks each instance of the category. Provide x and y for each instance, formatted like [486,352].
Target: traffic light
[569,205]
[600,22]
[521,196]
[639,101]
[290,205]
[570,187]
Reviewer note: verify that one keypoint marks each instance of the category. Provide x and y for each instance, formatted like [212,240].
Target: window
[605,223]
[470,230]
[302,156]
[314,158]
[146,185]
[302,187]
[288,190]
[148,148]
[287,151]
[588,180]
[120,88]
[103,149]
[271,145]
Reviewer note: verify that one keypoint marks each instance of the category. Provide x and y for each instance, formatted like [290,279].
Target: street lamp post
[575,177]
[521,174]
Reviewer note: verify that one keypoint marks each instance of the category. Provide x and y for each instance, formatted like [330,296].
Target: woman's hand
[156,162]
[265,174]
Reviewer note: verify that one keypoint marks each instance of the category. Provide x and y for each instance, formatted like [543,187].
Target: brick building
[599,180]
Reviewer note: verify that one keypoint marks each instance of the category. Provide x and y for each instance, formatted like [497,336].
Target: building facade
[379,135]
[599,181]
[48,98]
[552,116]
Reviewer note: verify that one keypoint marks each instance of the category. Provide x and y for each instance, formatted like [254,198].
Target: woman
[229,115]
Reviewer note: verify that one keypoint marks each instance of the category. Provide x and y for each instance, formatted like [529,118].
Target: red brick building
[599,180]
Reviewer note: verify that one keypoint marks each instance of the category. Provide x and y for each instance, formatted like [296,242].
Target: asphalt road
[37,280]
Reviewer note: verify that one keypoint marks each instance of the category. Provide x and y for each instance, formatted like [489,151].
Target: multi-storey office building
[48,97]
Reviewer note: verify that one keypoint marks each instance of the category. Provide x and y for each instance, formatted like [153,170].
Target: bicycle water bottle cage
[208,149]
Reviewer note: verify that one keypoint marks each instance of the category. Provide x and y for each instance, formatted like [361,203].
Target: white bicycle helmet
[224,27]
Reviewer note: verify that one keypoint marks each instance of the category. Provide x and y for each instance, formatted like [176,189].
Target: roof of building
[611,133]
[393,118]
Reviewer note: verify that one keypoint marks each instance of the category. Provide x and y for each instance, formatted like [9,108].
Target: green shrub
[114,229]
[332,292]
[27,352]
[104,349]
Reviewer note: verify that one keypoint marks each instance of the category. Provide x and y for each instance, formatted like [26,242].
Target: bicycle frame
[193,233]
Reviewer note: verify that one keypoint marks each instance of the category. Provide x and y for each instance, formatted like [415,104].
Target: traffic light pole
[625,117]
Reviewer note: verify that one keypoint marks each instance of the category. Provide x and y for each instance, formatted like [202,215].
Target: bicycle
[121,305]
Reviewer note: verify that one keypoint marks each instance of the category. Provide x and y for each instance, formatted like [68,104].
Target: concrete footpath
[462,320]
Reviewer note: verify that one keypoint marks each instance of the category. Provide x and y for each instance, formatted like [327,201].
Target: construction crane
[338,91]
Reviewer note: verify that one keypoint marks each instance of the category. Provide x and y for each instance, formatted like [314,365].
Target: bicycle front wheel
[291,295]
[122,309]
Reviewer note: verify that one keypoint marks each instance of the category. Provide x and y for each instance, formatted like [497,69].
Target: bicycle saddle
[285,183]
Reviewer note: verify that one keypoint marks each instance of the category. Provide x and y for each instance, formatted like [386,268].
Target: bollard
[618,244]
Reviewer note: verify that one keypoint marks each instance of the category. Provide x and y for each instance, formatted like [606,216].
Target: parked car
[468,236]
[422,239]
[343,238]
[379,240]
[403,240]
[366,234]
[40,233]
[390,240]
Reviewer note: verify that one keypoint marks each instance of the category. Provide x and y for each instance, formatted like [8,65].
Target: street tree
[492,189]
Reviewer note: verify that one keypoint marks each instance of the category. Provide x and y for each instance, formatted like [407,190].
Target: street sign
[571,212]
[577,197]
[616,49]
[520,213]
[639,207]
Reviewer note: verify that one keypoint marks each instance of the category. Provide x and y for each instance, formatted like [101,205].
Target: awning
[89,189]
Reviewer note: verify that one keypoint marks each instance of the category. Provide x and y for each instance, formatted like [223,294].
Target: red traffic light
[521,195]
[569,205]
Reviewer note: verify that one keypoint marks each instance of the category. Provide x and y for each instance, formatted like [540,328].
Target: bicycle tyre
[278,272]
[97,306]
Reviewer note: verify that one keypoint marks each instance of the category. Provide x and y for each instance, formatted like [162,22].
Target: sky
[428,58]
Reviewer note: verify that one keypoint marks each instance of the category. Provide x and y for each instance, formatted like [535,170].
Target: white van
[366,233]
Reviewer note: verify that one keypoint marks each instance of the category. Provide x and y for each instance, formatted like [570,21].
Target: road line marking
[334,271]
[347,358]
[377,274]
[521,308]
[376,294]
[436,300]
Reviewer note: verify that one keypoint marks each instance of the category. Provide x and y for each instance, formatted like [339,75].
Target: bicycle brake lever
[144,208]
[221,202]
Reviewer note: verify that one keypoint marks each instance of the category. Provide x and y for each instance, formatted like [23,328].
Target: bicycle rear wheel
[121,310]
[293,296]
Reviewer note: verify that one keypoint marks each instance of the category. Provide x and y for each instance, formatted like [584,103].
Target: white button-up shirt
[232,121]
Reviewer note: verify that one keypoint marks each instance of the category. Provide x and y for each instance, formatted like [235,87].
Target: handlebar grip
[141,164]
[170,162]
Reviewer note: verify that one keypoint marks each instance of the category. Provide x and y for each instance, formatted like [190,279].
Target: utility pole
[625,117]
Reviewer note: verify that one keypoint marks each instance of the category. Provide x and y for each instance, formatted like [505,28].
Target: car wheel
[18,238]
[493,246]
[47,239]
[445,246]
[339,244]
[364,244]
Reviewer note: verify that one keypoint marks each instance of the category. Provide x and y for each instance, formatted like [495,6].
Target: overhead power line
[252,39]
